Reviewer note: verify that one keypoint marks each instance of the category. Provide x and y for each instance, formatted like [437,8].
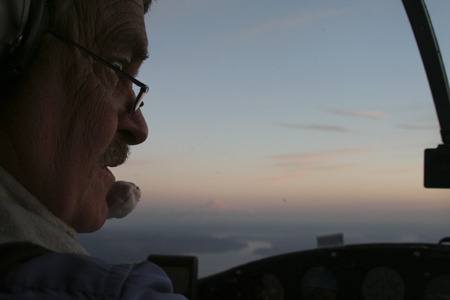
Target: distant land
[222,244]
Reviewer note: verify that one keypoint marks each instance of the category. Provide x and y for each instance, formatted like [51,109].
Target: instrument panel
[369,272]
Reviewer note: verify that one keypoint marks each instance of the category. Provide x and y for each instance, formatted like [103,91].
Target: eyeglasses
[139,89]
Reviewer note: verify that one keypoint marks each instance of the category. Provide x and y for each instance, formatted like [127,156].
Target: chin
[90,222]
[91,209]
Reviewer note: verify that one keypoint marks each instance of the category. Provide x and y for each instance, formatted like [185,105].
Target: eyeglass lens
[139,93]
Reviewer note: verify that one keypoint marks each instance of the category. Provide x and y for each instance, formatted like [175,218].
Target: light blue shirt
[69,276]
[68,272]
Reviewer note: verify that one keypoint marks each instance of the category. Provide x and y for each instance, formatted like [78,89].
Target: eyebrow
[137,43]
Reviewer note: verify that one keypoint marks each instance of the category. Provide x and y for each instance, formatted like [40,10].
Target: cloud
[318,167]
[417,127]
[320,160]
[286,247]
[291,21]
[319,155]
[316,127]
[374,115]
[214,205]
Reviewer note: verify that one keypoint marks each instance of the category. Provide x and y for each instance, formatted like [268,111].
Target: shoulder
[69,276]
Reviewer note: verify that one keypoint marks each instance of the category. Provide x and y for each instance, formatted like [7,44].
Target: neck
[9,158]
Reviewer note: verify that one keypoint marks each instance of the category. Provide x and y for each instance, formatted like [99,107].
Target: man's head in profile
[73,113]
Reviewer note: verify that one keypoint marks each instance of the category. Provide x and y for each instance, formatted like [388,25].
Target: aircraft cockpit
[330,269]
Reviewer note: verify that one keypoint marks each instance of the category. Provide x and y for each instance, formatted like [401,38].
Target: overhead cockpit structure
[437,161]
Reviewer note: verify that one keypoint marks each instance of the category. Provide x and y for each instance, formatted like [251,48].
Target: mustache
[116,154]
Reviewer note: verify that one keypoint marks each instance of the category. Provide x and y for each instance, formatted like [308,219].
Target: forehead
[108,10]
[120,24]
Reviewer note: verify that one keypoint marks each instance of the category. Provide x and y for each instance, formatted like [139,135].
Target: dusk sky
[261,100]
[312,111]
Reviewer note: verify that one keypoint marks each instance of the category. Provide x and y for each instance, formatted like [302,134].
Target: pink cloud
[316,127]
[319,161]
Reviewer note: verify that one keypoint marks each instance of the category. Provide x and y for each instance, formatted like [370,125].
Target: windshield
[273,123]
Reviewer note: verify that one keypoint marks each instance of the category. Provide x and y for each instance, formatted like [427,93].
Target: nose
[133,127]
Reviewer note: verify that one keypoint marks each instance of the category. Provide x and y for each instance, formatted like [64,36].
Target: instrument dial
[383,283]
[319,283]
[438,288]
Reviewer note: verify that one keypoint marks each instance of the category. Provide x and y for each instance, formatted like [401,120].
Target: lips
[108,174]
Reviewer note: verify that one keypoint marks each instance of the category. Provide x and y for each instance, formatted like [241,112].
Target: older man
[69,115]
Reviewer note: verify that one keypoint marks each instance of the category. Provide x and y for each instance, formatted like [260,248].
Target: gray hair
[59,8]
[59,22]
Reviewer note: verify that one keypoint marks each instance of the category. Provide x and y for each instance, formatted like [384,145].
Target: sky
[263,100]
[268,117]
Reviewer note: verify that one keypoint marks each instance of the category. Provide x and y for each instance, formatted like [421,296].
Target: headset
[22,24]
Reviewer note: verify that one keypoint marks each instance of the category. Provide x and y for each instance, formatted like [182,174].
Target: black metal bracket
[431,56]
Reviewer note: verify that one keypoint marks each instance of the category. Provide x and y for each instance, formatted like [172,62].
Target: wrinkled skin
[70,109]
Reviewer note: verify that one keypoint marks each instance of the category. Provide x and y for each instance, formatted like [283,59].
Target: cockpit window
[274,123]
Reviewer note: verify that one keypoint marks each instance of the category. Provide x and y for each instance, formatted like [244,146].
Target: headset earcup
[13,18]
[34,25]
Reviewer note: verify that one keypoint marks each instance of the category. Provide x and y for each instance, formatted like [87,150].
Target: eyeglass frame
[139,102]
